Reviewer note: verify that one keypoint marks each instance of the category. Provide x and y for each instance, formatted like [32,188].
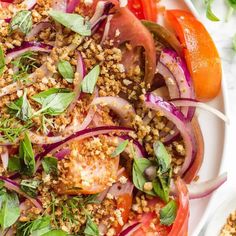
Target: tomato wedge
[144,9]
[200,53]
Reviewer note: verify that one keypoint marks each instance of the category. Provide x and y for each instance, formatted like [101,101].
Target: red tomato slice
[180,226]
[193,170]
[200,53]
[131,30]
[144,9]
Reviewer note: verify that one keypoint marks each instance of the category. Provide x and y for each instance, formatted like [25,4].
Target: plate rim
[225,105]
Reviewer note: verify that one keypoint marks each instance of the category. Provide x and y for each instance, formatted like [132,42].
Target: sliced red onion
[130,229]
[174,115]
[59,5]
[119,189]
[139,149]
[25,47]
[186,102]
[107,29]
[11,185]
[5,158]
[38,28]
[119,105]
[29,4]
[80,135]
[62,153]
[203,189]
[71,5]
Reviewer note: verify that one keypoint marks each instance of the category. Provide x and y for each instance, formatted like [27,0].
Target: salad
[98,130]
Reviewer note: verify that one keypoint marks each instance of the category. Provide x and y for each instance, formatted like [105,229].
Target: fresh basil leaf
[40,97]
[234,42]
[66,70]
[232,3]
[2,184]
[161,185]
[121,147]
[10,209]
[162,156]
[36,227]
[56,103]
[30,187]
[22,21]
[21,108]
[210,15]
[91,229]
[89,82]
[168,213]
[55,232]
[14,164]
[50,165]
[26,155]
[74,22]
[2,61]
[139,166]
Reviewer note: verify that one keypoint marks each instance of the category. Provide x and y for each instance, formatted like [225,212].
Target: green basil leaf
[89,82]
[36,227]
[161,185]
[56,103]
[168,213]
[50,165]
[2,61]
[2,184]
[162,156]
[232,3]
[121,147]
[91,229]
[66,70]
[10,209]
[74,22]
[55,232]
[22,21]
[139,166]
[21,108]
[30,187]
[210,15]
[14,164]
[26,155]
[40,97]
[234,42]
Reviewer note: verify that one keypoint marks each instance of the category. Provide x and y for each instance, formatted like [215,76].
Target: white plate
[215,136]
[220,216]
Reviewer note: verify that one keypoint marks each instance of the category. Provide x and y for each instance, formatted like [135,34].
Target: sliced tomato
[144,9]
[196,165]
[180,226]
[200,53]
[87,174]
[131,30]
[147,218]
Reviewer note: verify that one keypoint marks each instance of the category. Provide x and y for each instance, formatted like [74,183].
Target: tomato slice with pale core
[200,53]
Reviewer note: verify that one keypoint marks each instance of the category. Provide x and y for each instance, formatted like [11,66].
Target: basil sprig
[120,148]
[66,70]
[91,229]
[162,177]
[9,209]
[26,155]
[74,22]
[22,21]
[89,82]
[2,61]
[168,213]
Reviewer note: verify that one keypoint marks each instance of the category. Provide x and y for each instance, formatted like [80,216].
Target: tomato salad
[98,130]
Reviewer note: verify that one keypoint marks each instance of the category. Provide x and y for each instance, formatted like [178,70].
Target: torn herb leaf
[91,229]
[120,148]
[74,22]
[50,165]
[22,21]
[168,213]
[30,187]
[14,164]
[2,61]
[66,70]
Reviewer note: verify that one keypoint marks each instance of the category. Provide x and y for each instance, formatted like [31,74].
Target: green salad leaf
[168,213]
[66,70]
[91,229]
[2,61]
[50,165]
[30,187]
[14,164]
[120,148]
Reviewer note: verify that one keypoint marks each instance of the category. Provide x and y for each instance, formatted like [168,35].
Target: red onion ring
[107,29]
[130,229]
[71,5]
[38,28]
[5,158]
[59,5]
[174,115]
[27,46]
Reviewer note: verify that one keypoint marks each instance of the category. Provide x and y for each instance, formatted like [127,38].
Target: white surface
[214,136]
